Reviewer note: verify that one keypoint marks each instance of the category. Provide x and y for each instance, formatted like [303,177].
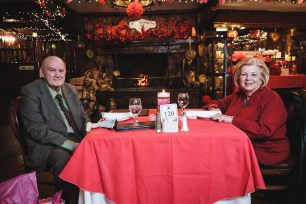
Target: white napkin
[103,124]
[201,113]
[116,116]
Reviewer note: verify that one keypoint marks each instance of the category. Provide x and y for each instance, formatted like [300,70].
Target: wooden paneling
[12,78]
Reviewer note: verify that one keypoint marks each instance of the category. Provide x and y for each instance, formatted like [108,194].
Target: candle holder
[163,98]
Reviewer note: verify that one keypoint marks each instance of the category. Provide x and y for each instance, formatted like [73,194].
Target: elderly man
[54,120]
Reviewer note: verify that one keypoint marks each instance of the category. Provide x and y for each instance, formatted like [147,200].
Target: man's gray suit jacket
[44,125]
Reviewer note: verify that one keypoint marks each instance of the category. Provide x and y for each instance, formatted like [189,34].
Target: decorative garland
[175,28]
[51,9]
[57,34]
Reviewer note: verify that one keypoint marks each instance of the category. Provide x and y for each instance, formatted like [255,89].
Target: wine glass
[135,107]
[183,100]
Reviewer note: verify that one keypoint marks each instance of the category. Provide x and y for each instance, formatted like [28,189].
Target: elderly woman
[258,111]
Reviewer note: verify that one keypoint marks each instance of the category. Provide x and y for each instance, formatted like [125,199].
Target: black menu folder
[134,126]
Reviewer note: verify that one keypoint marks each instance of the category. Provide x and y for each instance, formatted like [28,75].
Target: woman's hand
[222,118]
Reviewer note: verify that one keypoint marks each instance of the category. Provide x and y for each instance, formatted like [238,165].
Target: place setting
[118,119]
[135,107]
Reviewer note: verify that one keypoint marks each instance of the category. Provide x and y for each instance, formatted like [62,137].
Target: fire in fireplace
[142,81]
[141,70]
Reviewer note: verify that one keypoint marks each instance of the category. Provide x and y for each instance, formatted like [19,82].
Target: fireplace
[158,65]
[141,70]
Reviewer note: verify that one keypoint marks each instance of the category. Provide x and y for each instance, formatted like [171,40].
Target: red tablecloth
[211,162]
[287,81]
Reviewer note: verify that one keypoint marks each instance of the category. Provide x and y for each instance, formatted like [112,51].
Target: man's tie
[69,117]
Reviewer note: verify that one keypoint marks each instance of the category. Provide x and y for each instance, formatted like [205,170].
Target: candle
[287,58]
[163,98]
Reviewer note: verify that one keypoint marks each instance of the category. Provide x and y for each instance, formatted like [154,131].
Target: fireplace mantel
[161,46]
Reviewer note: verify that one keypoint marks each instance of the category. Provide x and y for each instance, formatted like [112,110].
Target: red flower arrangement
[173,27]
[238,56]
[102,2]
[275,69]
[134,10]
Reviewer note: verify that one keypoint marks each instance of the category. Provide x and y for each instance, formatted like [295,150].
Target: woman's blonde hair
[264,75]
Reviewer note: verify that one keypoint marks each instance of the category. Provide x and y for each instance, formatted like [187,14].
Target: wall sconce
[193,32]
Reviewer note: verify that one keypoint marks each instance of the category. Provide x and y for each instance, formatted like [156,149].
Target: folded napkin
[104,124]
[116,116]
[201,113]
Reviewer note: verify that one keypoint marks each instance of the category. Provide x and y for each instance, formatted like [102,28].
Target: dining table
[211,163]
[292,81]
[287,81]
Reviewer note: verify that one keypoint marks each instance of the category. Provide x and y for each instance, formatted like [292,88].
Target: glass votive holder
[163,98]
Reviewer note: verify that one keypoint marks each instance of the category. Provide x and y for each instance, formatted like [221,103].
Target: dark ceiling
[86,6]
[18,15]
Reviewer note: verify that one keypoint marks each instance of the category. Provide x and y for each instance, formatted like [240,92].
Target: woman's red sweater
[263,119]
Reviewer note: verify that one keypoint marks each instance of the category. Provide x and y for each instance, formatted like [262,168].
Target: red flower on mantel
[102,2]
[173,27]
[134,10]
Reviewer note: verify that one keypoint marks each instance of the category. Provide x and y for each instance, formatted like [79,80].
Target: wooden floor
[11,161]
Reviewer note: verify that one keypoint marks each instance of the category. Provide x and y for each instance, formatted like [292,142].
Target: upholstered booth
[290,174]
[18,130]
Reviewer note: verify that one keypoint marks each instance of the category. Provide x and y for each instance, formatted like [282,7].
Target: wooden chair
[289,175]
[18,130]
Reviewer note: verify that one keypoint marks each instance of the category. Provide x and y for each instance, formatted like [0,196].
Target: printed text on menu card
[168,112]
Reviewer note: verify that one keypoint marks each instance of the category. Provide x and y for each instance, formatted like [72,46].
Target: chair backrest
[295,106]
[18,130]
[16,124]
[295,103]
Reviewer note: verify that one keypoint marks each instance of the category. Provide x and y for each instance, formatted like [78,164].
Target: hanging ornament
[134,10]
[232,34]
[274,36]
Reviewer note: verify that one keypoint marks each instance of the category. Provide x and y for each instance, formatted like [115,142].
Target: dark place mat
[144,112]
[134,126]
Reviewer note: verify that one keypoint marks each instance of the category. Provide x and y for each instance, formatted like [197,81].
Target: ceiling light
[9,20]
[221,29]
